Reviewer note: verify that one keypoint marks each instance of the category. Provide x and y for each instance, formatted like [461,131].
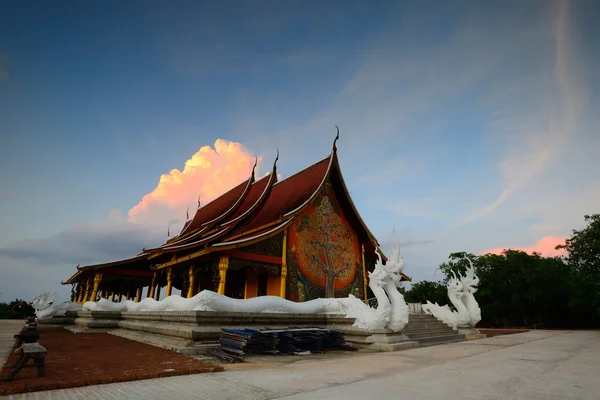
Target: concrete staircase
[427,330]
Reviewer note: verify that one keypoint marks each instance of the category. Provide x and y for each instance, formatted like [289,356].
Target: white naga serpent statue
[461,294]
[43,303]
[391,312]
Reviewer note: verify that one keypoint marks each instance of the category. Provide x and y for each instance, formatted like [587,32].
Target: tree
[21,308]
[458,264]
[583,249]
[517,288]
[16,309]
[420,292]
[327,246]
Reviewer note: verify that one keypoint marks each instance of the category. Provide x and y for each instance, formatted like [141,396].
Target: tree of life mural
[327,247]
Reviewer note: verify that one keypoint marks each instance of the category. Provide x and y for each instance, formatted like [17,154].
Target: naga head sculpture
[470,281]
[379,273]
[42,301]
[395,264]
[454,285]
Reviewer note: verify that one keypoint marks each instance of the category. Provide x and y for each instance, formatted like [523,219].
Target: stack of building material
[234,344]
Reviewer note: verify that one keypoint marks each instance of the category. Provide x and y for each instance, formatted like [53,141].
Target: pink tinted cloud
[545,246]
[209,173]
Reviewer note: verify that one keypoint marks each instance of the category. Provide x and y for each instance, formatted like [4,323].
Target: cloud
[538,136]
[5,197]
[4,74]
[84,244]
[546,246]
[34,265]
[206,175]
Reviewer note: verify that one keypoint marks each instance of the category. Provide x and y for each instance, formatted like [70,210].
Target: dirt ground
[87,359]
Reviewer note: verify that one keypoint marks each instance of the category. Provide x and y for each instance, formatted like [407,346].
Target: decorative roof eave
[257,229]
[96,267]
[182,240]
[238,202]
[229,225]
[272,180]
[298,209]
[187,246]
[73,278]
[347,193]
[226,246]
[260,236]
[111,264]
[224,215]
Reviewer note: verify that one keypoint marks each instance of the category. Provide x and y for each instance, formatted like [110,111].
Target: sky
[464,125]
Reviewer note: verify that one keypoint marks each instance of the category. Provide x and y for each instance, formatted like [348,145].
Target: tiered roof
[252,211]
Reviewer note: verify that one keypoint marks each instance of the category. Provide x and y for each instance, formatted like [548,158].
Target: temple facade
[300,238]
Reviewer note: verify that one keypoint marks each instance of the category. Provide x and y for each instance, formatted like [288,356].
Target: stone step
[426,326]
[154,339]
[429,328]
[430,341]
[431,332]
[415,336]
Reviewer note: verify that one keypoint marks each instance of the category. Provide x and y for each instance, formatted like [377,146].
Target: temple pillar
[158,287]
[283,266]
[112,298]
[138,295]
[223,265]
[88,290]
[362,248]
[151,287]
[81,287]
[169,282]
[191,283]
[97,280]
[77,292]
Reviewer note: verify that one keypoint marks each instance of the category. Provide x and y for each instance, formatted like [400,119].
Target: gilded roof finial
[199,199]
[254,167]
[187,214]
[337,136]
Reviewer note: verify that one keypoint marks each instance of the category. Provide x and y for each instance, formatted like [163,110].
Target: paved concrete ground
[8,328]
[533,365]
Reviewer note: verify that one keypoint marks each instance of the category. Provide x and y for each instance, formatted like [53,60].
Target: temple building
[299,238]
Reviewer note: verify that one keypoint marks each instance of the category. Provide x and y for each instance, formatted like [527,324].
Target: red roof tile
[288,194]
[251,198]
[216,208]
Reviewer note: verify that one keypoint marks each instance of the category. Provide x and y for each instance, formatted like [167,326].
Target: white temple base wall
[193,332]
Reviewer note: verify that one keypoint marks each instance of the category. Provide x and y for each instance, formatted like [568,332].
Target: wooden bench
[26,337]
[29,351]
[27,334]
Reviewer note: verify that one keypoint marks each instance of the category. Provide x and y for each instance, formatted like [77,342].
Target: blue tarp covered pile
[235,343]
